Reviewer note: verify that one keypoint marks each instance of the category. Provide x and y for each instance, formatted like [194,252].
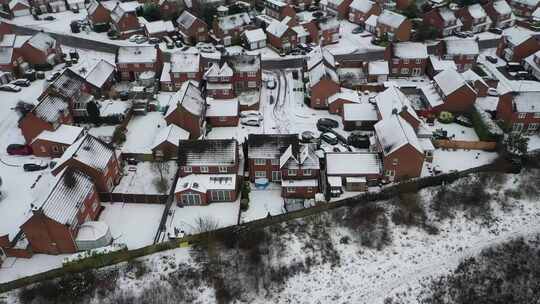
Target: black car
[124,95]
[49,18]
[33,167]
[491,59]
[497,31]
[326,123]
[358,141]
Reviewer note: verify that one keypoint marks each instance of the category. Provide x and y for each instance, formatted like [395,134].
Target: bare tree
[161,182]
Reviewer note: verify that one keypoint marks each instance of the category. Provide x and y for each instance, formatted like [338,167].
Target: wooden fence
[468,145]
[133,198]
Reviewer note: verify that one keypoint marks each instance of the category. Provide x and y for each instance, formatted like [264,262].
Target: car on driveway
[34,167]
[271,84]
[18,149]
[250,114]
[22,82]
[253,122]
[358,30]
[491,59]
[10,88]
[326,123]
[330,138]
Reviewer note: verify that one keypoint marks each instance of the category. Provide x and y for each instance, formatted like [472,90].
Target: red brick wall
[409,162]
[299,192]
[186,121]
[321,91]
[225,121]
[45,148]
[47,236]
[506,113]
[169,150]
[458,102]
[434,19]
[100,15]
[358,17]
[268,168]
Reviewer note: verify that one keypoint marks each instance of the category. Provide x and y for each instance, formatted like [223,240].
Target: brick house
[402,153]
[54,143]
[344,96]
[132,61]
[254,39]
[159,28]
[390,24]
[437,64]
[524,8]
[94,158]
[124,19]
[97,76]
[184,66]
[97,13]
[247,72]
[443,19]
[520,111]
[391,102]
[53,226]
[474,18]
[187,110]
[41,50]
[516,45]
[19,8]
[47,115]
[359,116]
[279,9]
[464,52]
[339,7]
[322,77]
[219,81]
[281,37]
[327,31]
[500,13]
[354,171]
[208,171]
[300,171]
[193,29]
[532,64]
[228,28]
[222,112]
[165,144]
[449,92]
[361,10]
[407,59]
[264,152]
[477,82]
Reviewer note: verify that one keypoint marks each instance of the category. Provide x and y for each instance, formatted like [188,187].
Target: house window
[306,172]
[291,172]
[395,71]
[395,61]
[537,115]
[43,149]
[275,161]
[149,65]
[221,195]
[395,161]
[201,29]
[191,75]
[187,169]
[191,199]
[276,176]
[404,71]
[533,126]
[260,161]
[136,65]
[522,115]
[418,61]
[222,118]
[290,190]
[223,169]
[225,92]
[405,61]
[260,174]
[252,74]
[390,173]
[252,84]
[204,169]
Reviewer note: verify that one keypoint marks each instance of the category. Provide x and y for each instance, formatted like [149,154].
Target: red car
[16,149]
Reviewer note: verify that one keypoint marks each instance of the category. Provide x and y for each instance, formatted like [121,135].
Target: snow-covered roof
[328,24]
[353,164]
[527,102]
[516,36]
[51,108]
[470,75]
[204,182]
[300,31]
[159,26]
[431,95]
[65,134]
[447,14]
[359,112]
[462,47]
[275,3]
[372,20]
[12,3]
[527,2]
[476,11]
[221,107]
[319,54]
[536,14]
[502,7]
[449,81]
[255,35]
[277,28]
[393,99]
[6,54]
[89,151]
[171,134]
[299,156]
[245,62]
[189,97]
[183,62]
[230,22]
[122,8]
[269,146]
[394,132]
[42,42]
[345,94]
[137,54]
[410,50]
[94,72]
[362,5]
[67,85]
[320,72]
[67,197]
[186,19]
[216,71]
[92,6]
[391,19]
[440,64]
[378,68]
[216,152]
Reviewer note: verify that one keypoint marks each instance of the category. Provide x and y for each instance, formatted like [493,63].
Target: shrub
[445,117]
[119,135]
[244,204]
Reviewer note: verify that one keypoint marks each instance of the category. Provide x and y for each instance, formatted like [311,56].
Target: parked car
[271,84]
[251,114]
[358,141]
[49,18]
[492,92]
[134,38]
[460,34]
[18,149]
[491,59]
[10,88]
[168,42]
[124,95]
[326,123]
[307,137]
[329,138]
[52,77]
[141,40]
[21,82]
[154,40]
[253,122]
[358,30]
[464,121]
[34,167]
[496,30]
[178,43]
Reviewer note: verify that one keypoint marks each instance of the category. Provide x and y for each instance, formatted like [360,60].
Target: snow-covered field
[132,224]
[141,132]
[262,203]
[139,179]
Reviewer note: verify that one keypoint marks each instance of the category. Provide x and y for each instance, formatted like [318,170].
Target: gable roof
[362,5]
[359,112]
[318,55]
[320,72]
[353,163]
[394,132]
[449,81]
[255,35]
[410,50]
[230,22]
[189,97]
[462,47]
[393,99]
[123,8]
[171,134]
[65,134]
[447,14]
[270,146]
[13,3]
[299,156]
[216,71]
[186,19]
[277,28]
[51,108]
[476,11]
[516,36]
[42,42]
[207,152]
[502,7]
[391,18]
[136,54]
[94,72]
[90,151]
[185,62]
